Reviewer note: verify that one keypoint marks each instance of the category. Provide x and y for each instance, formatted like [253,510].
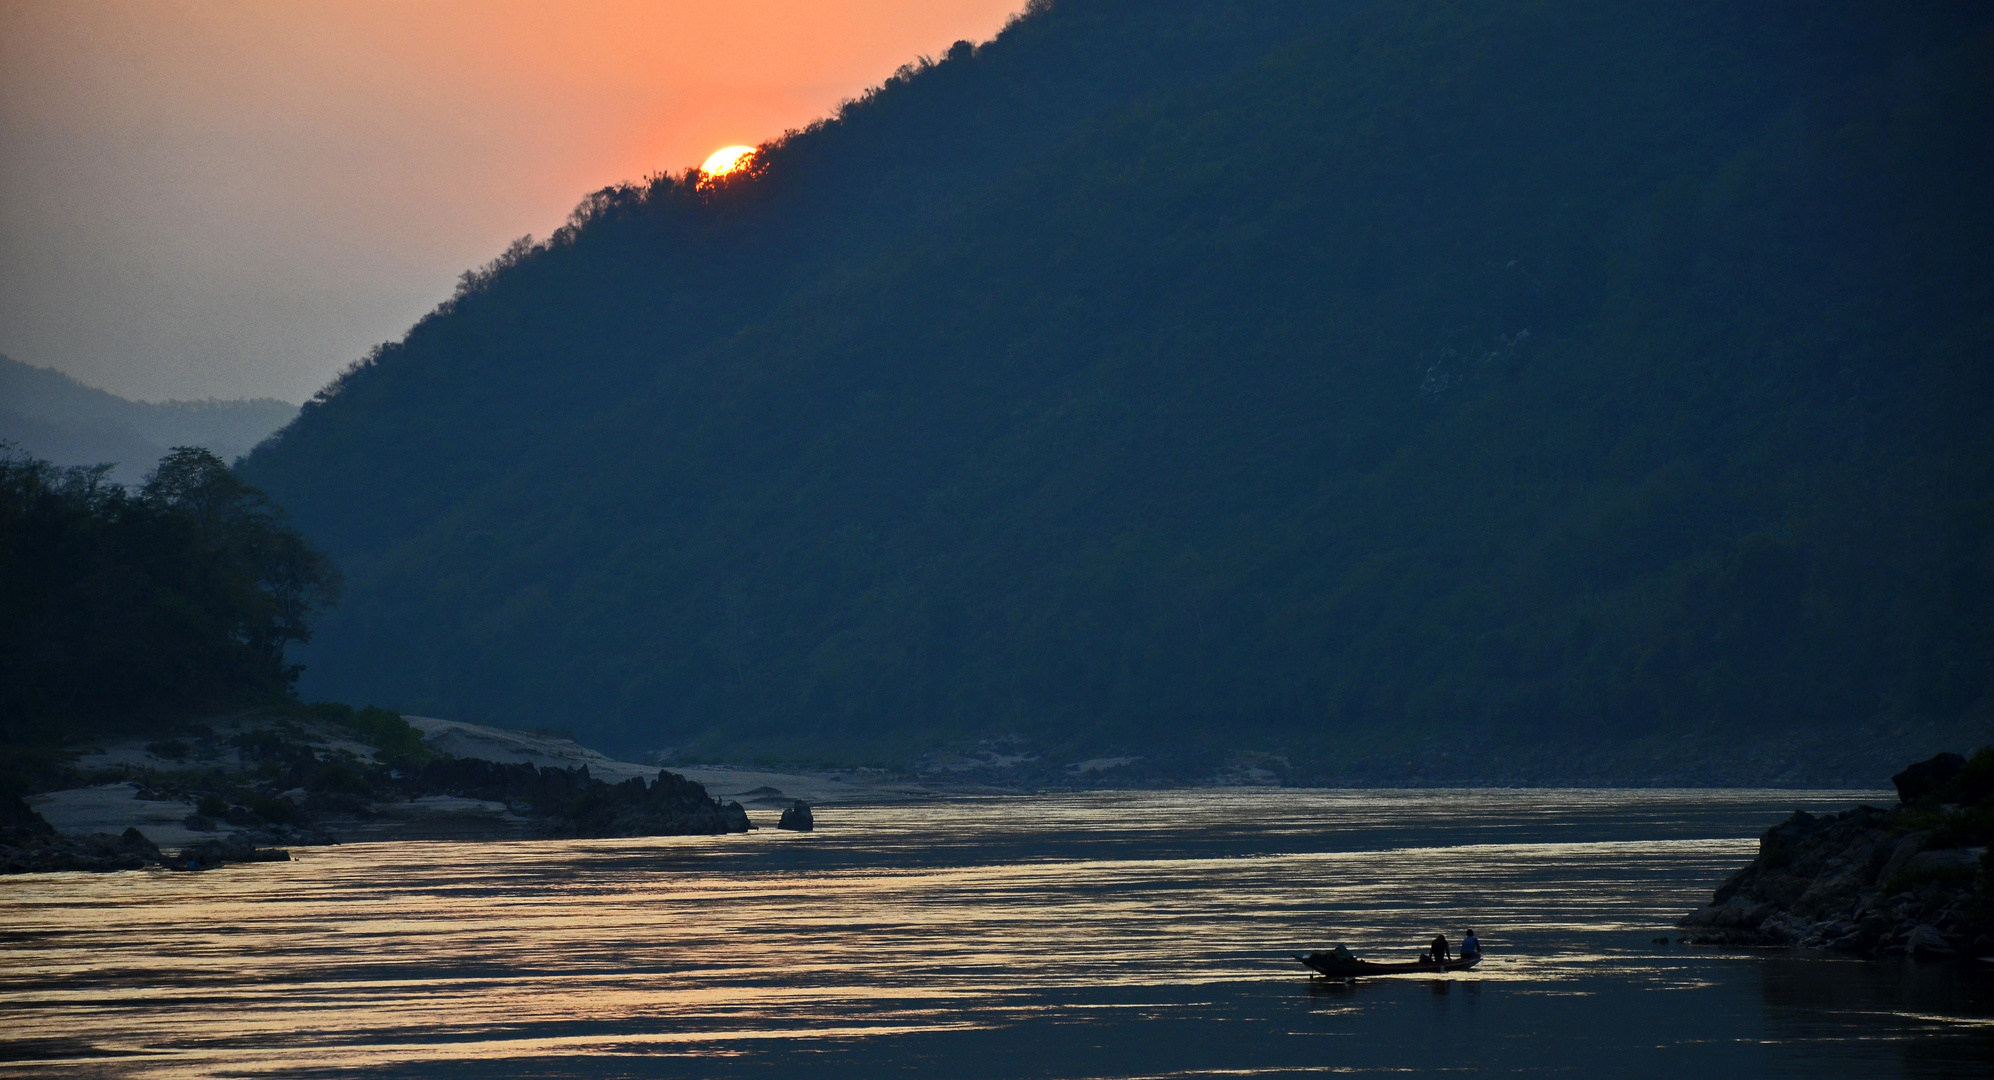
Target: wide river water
[1124,934]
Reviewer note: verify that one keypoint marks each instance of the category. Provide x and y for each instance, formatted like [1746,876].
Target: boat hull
[1325,964]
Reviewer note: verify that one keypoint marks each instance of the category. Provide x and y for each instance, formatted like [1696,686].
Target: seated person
[1470,945]
[1341,955]
[1439,951]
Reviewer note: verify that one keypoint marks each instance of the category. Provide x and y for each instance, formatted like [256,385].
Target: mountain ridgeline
[55,418]
[1467,392]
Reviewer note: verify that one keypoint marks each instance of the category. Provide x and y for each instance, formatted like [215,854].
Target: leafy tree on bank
[119,609]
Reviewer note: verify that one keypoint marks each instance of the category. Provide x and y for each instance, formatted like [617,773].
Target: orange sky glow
[236,198]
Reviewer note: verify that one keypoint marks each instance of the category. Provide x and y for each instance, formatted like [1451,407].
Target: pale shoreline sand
[110,806]
[751,787]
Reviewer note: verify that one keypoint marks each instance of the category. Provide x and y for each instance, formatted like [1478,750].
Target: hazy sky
[236,199]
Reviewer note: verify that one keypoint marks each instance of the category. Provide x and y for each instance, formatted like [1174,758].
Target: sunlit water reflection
[1108,934]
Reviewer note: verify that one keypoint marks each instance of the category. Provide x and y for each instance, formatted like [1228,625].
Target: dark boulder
[796,818]
[18,818]
[1925,777]
[136,843]
[209,854]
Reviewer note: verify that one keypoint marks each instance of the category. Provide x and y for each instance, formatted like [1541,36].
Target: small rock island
[796,817]
[1912,880]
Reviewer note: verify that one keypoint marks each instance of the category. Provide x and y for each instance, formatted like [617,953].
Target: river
[1109,934]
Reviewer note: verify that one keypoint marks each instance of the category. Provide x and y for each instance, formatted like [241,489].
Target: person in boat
[1439,951]
[1471,946]
[1342,955]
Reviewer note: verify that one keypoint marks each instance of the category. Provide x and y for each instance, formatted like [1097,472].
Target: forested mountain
[56,418]
[1572,388]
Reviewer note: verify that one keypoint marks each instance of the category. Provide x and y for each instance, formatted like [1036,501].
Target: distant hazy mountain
[58,419]
[1588,388]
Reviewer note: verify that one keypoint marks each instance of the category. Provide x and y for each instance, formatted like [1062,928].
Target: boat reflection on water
[1102,934]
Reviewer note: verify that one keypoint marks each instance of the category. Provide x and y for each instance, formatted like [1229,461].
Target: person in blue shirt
[1470,945]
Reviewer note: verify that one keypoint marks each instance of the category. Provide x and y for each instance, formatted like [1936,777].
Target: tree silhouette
[118,609]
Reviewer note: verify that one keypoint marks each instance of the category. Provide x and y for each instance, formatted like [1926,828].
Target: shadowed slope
[1564,377]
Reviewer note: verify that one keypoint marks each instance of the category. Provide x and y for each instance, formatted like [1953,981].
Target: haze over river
[1120,934]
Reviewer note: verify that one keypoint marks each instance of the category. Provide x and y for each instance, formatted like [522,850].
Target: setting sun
[727,160]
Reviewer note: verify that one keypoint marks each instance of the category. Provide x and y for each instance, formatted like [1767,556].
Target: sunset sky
[237,199]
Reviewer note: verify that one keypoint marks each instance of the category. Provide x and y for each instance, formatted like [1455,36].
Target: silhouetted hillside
[54,417]
[1578,388]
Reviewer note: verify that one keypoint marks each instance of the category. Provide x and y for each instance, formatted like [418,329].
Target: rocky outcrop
[29,845]
[1924,778]
[569,802]
[245,788]
[796,818]
[99,852]
[1910,880]
[210,854]
[19,823]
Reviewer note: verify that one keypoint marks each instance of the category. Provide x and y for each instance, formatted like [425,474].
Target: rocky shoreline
[247,789]
[570,802]
[1911,880]
[29,844]
[544,802]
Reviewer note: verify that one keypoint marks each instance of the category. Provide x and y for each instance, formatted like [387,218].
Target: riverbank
[245,788]
[238,788]
[754,788]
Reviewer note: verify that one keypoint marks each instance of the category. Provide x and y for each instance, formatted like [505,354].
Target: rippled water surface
[1111,934]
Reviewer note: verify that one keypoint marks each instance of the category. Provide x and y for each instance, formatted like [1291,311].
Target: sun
[727,160]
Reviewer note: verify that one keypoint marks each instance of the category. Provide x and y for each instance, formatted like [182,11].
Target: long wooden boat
[1323,963]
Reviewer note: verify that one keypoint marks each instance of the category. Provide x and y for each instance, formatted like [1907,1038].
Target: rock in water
[209,854]
[797,818]
[569,802]
[1926,940]
[135,842]
[28,845]
[1913,880]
